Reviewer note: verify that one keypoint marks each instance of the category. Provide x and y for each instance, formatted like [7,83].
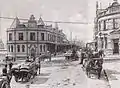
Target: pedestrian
[4,70]
[10,65]
[82,57]
[101,53]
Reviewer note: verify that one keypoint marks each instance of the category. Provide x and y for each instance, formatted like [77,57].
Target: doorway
[32,52]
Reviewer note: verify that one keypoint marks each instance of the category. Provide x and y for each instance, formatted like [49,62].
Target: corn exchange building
[33,38]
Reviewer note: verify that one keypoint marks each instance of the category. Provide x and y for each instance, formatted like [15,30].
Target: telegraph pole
[71,38]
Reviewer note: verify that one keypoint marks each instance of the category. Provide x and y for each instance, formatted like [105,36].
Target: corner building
[107,28]
[34,37]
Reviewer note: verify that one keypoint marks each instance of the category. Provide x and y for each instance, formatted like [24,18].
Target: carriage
[25,71]
[4,82]
[94,66]
[70,55]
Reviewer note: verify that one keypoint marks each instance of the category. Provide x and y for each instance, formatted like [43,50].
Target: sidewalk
[113,72]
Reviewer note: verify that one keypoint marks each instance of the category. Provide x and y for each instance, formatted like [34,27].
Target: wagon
[4,83]
[94,66]
[25,71]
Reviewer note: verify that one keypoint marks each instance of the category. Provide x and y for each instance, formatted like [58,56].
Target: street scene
[60,44]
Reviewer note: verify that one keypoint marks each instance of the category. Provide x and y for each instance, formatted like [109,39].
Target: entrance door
[32,52]
[116,48]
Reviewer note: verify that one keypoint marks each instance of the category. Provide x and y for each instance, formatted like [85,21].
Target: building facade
[33,38]
[107,28]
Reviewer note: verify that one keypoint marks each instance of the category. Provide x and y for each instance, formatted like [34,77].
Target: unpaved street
[62,74]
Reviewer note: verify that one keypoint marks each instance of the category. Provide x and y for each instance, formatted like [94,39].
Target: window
[116,23]
[104,24]
[40,48]
[44,48]
[109,24]
[99,25]
[105,42]
[42,36]
[11,48]
[102,43]
[18,48]
[48,37]
[10,36]
[20,36]
[32,36]
[23,48]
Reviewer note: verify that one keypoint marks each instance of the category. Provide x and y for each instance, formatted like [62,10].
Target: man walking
[82,57]
[4,70]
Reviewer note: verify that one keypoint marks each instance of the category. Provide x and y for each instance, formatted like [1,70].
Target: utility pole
[71,38]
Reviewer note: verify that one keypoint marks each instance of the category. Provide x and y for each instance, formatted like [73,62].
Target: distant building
[107,28]
[34,37]
[3,51]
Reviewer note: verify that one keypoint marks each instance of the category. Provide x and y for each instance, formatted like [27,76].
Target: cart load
[25,71]
[94,66]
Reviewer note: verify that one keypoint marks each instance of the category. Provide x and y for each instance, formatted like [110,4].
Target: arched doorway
[33,52]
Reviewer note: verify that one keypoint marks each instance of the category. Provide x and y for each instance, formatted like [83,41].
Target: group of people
[91,54]
[6,71]
[92,63]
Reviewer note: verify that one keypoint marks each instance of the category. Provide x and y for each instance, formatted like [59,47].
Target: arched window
[23,48]
[18,48]
[44,48]
[11,48]
[40,48]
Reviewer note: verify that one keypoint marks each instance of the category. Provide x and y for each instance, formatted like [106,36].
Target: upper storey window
[109,24]
[20,35]
[10,36]
[32,36]
[116,23]
[42,37]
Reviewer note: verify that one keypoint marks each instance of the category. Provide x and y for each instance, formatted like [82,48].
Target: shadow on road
[40,80]
[111,74]
[44,74]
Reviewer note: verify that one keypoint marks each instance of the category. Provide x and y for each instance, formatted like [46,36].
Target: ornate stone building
[107,28]
[34,37]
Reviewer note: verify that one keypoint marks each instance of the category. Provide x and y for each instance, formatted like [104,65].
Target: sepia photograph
[59,43]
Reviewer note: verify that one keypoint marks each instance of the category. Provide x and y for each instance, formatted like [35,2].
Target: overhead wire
[49,21]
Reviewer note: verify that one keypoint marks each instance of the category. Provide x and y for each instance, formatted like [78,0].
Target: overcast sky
[56,10]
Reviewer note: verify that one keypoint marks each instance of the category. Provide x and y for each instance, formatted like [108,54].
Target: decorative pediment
[41,22]
[32,46]
[15,23]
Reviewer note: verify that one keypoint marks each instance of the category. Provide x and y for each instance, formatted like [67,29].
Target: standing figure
[10,65]
[101,53]
[4,70]
[82,57]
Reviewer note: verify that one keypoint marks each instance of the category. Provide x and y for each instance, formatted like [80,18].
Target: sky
[55,10]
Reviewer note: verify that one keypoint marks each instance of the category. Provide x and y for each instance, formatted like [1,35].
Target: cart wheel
[5,85]
[16,79]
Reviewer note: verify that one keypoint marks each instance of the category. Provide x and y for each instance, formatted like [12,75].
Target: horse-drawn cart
[94,66]
[4,82]
[25,71]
